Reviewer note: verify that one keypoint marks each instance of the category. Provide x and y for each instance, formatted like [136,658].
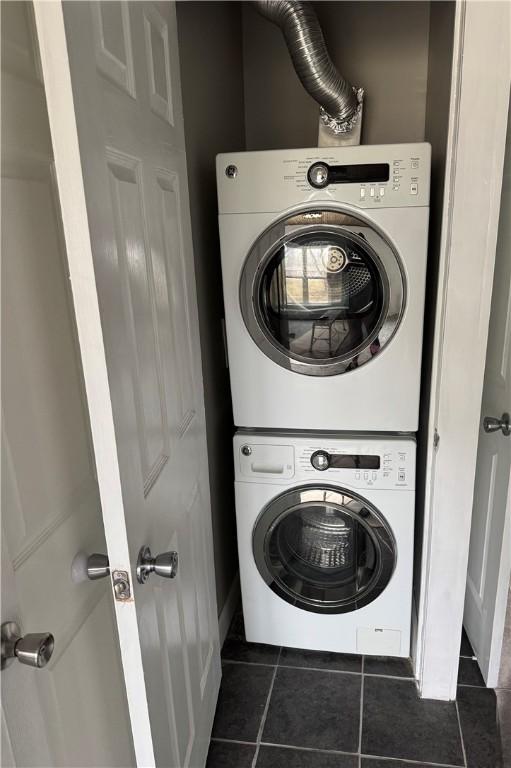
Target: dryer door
[324,549]
[322,292]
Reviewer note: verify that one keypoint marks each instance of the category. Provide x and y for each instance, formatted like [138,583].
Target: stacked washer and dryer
[324,267]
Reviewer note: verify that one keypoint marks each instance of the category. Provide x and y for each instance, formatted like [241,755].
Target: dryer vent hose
[340,102]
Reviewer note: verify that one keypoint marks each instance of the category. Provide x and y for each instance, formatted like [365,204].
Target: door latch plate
[121,585]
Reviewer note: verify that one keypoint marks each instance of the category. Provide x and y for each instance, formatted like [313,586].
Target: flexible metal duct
[340,103]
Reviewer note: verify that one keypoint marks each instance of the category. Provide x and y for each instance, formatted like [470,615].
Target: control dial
[318,175]
[320,460]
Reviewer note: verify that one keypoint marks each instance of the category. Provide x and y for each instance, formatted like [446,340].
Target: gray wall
[382,46]
[212,85]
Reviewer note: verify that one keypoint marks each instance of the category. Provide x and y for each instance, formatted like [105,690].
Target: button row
[414,189]
[372,192]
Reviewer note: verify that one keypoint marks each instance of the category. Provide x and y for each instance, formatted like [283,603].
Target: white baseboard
[230,605]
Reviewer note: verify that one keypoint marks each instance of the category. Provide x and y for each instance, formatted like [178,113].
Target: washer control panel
[363,463]
[388,468]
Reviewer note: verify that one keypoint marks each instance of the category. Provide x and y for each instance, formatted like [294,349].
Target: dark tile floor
[291,708]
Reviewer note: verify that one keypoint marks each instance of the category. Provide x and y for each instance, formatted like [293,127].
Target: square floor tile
[228,754]
[369,762]
[504,713]
[235,649]
[283,757]
[314,709]
[387,665]
[465,648]
[397,723]
[469,673]
[243,694]
[296,657]
[478,716]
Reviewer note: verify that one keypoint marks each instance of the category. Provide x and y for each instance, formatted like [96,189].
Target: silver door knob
[91,567]
[97,566]
[33,650]
[164,565]
[491,424]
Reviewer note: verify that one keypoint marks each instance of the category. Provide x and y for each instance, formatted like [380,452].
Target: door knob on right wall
[492,424]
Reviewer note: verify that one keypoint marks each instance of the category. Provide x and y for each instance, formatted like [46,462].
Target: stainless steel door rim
[343,228]
[322,589]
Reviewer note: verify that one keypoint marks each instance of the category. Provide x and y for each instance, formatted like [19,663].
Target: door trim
[479,86]
[59,97]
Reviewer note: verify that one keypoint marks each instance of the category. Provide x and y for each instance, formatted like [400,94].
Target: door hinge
[121,585]
[436,439]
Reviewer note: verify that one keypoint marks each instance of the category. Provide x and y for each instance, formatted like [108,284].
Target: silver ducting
[340,102]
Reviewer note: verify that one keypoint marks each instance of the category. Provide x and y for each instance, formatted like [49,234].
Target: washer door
[322,292]
[324,549]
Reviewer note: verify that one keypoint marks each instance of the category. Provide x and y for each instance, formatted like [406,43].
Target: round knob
[318,175]
[320,460]
[492,424]
[164,565]
[34,650]
[246,450]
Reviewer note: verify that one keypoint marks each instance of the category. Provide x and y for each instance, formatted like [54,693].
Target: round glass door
[322,292]
[324,549]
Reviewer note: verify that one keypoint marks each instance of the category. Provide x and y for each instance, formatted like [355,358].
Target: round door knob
[34,650]
[492,424]
[164,565]
[320,460]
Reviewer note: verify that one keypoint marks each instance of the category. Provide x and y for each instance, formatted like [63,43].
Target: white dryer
[325,539]
[324,268]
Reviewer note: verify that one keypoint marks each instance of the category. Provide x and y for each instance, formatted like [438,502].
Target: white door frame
[475,155]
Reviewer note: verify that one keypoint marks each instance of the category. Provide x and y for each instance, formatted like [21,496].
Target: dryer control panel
[379,463]
[388,176]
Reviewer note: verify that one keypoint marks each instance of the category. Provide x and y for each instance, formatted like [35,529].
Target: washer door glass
[324,549]
[322,292]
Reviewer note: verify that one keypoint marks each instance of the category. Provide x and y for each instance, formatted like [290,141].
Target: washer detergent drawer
[266,460]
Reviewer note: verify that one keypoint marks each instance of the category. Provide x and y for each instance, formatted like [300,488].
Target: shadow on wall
[212,85]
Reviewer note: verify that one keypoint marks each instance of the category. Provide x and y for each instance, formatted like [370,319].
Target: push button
[401,475]
[414,188]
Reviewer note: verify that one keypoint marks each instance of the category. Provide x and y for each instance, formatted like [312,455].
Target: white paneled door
[111,73]
[74,711]
[489,563]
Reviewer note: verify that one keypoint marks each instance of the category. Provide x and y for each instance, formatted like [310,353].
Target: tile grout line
[461,734]
[417,763]
[361,710]
[319,669]
[265,712]
[361,713]
[336,752]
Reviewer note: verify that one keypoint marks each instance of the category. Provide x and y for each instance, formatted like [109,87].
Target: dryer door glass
[325,296]
[324,549]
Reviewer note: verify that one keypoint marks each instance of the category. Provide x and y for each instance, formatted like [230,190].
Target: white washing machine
[325,539]
[324,268]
